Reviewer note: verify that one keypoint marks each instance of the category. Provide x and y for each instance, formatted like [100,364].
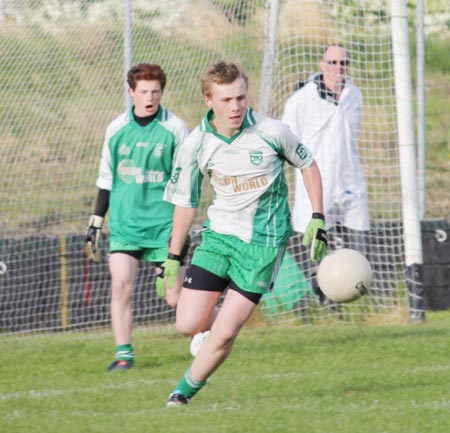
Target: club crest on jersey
[256,158]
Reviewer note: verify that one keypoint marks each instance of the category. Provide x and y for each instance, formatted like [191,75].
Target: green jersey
[246,173]
[135,166]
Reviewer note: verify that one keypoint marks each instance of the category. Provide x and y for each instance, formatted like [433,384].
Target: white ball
[344,275]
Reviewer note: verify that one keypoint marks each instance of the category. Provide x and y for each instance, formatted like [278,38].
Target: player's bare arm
[315,234]
[183,218]
[313,185]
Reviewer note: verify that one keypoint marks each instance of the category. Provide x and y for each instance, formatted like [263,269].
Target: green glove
[168,275]
[316,236]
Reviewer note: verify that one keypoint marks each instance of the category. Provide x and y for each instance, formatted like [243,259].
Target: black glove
[92,238]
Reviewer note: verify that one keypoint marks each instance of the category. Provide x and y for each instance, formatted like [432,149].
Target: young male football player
[135,165]
[242,153]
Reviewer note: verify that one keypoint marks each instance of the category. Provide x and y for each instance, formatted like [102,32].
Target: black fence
[47,283]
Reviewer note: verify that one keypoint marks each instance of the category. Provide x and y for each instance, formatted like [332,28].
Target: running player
[135,166]
[248,225]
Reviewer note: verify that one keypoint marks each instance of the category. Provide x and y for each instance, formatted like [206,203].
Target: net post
[270,35]
[408,165]
[127,48]
[64,295]
[421,136]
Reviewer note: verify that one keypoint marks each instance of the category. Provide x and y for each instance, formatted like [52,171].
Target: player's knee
[121,292]
[225,337]
[186,328]
[189,325]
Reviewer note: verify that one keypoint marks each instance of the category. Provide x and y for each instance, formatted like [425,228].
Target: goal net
[63,80]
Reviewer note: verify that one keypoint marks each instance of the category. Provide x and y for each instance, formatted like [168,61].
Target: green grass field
[321,379]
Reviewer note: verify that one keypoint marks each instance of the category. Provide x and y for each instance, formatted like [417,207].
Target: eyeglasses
[338,62]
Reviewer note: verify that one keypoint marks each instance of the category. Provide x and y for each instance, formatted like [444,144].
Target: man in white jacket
[325,113]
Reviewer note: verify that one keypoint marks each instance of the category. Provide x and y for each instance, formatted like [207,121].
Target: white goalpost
[63,72]
[408,164]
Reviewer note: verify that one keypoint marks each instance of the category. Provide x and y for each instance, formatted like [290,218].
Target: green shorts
[154,255]
[252,268]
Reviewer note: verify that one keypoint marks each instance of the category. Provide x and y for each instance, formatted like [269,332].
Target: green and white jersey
[246,173]
[135,166]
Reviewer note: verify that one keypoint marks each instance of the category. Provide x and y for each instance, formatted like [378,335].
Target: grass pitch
[318,379]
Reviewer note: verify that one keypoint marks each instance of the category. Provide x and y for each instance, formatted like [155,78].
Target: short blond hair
[223,72]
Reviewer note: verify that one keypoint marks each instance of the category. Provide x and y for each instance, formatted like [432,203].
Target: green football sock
[189,386]
[125,352]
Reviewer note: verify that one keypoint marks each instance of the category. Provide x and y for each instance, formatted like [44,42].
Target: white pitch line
[49,393]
